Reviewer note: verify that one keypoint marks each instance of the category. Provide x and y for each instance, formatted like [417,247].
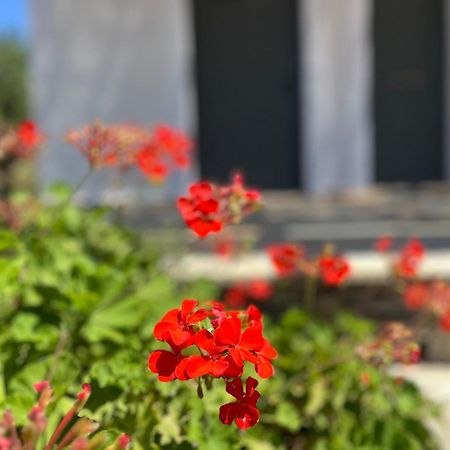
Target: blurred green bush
[79,299]
[13,82]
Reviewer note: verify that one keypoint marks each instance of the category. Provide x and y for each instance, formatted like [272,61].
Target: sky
[13,17]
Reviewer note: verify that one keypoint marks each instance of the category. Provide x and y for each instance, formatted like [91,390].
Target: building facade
[319,95]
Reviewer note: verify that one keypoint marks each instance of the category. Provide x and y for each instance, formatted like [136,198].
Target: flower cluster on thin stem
[225,341]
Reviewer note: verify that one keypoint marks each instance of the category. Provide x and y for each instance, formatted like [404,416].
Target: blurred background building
[317,95]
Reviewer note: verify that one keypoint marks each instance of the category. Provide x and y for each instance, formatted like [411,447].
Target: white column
[114,60]
[337,128]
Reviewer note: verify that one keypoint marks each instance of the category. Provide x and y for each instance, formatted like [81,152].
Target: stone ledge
[368,267]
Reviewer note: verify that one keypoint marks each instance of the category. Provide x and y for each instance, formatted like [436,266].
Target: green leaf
[287,416]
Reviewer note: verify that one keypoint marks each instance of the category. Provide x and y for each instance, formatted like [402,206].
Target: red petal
[218,368]
[264,368]
[235,389]
[164,364]
[198,316]
[197,366]
[228,412]
[252,339]
[228,332]
[180,371]
[188,306]
[205,341]
[179,336]
[247,417]
[268,351]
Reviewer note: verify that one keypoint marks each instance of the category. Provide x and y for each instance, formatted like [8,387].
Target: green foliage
[320,400]
[13,81]
[80,297]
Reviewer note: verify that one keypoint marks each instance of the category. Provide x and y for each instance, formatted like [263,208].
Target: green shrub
[79,300]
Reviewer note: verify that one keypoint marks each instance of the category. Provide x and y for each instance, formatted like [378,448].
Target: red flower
[213,363]
[383,244]
[243,411]
[223,351]
[168,365]
[248,345]
[260,290]
[124,440]
[29,134]
[176,327]
[416,295]
[334,270]
[285,258]
[175,143]
[444,322]
[200,210]
[207,208]
[150,164]
[236,296]
[23,141]
[109,145]
[409,259]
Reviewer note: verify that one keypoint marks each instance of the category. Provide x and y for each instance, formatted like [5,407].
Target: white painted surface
[367,267]
[114,60]
[434,381]
[337,92]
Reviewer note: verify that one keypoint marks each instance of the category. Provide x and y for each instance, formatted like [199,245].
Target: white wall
[336,47]
[114,60]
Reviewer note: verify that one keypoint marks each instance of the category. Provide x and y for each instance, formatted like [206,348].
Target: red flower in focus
[409,259]
[334,270]
[234,338]
[176,327]
[168,365]
[416,295]
[248,345]
[200,210]
[285,258]
[243,411]
[383,244]
[213,363]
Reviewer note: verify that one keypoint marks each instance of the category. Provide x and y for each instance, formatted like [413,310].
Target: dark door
[247,90]
[408,89]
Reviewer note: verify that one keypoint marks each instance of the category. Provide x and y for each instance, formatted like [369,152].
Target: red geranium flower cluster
[432,298]
[224,341]
[167,148]
[112,145]
[291,259]
[208,207]
[409,259]
[124,145]
[395,343]
[406,264]
[72,432]
[246,292]
[21,142]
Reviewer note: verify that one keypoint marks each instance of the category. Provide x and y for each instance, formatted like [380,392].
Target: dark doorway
[247,90]
[408,89]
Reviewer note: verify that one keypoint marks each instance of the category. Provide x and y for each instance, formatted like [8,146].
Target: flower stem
[310,293]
